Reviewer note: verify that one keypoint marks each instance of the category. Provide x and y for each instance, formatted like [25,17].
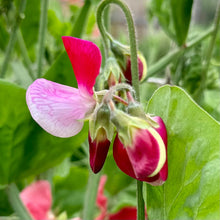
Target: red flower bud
[145,158]
[98,150]
[142,67]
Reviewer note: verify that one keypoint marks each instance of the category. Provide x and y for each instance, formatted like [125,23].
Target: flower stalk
[132,37]
[16,203]
[90,197]
[42,35]
[134,72]
[13,37]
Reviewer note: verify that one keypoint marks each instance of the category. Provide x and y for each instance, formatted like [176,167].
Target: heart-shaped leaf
[192,189]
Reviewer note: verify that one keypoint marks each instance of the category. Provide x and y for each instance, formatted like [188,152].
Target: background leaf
[25,148]
[181,16]
[69,191]
[192,190]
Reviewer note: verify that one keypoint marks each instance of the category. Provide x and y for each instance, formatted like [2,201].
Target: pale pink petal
[86,58]
[37,199]
[58,109]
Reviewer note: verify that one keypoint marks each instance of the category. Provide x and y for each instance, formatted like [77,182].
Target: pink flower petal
[58,108]
[37,199]
[86,59]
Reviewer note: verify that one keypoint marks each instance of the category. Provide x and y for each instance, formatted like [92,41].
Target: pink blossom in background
[37,199]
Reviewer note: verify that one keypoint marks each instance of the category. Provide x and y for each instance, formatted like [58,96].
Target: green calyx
[135,109]
[100,121]
[112,70]
[126,125]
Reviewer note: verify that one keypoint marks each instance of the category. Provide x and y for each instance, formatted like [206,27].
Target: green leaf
[61,71]
[30,25]
[69,191]
[25,148]
[181,16]
[192,189]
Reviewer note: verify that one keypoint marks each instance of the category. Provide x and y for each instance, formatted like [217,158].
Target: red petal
[126,213]
[86,58]
[98,150]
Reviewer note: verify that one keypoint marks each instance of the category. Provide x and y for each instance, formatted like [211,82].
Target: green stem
[42,35]
[90,197]
[140,201]
[134,70]
[132,38]
[164,61]
[24,53]
[212,42]
[80,23]
[12,39]
[16,203]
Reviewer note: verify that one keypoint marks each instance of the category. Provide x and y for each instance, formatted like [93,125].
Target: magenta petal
[98,150]
[143,158]
[37,199]
[58,109]
[86,58]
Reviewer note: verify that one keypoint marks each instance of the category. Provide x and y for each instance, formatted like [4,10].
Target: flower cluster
[140,146]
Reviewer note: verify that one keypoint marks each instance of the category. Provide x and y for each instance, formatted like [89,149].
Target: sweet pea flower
[60,109]
[141,152]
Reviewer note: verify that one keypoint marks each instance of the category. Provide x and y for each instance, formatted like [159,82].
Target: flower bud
[112,72]
[98,150]
[100,136]
[142,68]
[139,149]
[123,56]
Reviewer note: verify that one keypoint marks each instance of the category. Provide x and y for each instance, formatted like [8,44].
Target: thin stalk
[140,201]
[90,197]
[24,53]
[167,59]
[134,71]
[132,37]
[12,39]
[212,42]
[80,23]
[42,35]
[16,203]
